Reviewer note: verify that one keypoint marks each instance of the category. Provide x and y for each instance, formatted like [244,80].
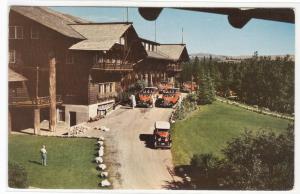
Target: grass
[70,161]
[208,129]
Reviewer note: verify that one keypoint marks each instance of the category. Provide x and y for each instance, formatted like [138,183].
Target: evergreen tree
[258,81]
[206,90]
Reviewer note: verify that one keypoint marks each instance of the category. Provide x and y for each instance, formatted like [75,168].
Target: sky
[202,32]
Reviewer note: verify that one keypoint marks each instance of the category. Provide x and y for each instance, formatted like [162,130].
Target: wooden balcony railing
[113,66]
[26,101]
[174,68]
[106,96]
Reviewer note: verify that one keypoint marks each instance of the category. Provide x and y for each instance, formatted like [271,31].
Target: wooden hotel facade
[71,70]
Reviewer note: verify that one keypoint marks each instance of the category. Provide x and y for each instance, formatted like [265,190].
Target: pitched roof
[89,45]
[100,36]
[15,77]
[54,20]
[157,55]
[174,51]
[149,41]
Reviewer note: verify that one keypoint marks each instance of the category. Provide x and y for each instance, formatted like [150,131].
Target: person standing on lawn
[43,152]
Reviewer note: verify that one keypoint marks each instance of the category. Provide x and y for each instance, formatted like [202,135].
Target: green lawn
[70,161]
[208,129]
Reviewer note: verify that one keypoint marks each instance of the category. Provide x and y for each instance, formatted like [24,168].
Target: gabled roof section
[56,21]
[92,45]
[149,41]
[100,36]
[157,55]
[174,51]
[15,77]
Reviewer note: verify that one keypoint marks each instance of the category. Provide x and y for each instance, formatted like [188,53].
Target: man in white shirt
[133,101]
[43,152]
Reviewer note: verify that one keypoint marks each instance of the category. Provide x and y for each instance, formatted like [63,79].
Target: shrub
[17,176]
[123,96]
[191,97]
[187,105]
[252,161]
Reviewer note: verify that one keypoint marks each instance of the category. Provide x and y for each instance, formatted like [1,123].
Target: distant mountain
[207,55]
[228,57]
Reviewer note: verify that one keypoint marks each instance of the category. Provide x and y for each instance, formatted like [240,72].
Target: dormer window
[34,33]
[15,32]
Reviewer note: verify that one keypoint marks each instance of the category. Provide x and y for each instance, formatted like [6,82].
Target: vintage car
[189,86]
[162,135]
[147,97]
[169,98]
[164,85]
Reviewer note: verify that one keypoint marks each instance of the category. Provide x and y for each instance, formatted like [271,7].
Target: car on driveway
[164,85]
[147,97]
[189,87]
[162,135]
[169,98]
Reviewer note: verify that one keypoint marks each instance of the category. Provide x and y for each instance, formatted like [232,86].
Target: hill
[238,57]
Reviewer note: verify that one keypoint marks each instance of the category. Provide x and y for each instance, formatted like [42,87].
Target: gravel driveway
[132,161]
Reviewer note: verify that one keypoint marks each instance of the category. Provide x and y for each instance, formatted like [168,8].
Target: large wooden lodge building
[63,68]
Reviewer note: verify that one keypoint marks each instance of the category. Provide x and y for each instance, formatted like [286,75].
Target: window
[15,32]
[101,88]
[122,41]
[105,88]
[100,58]
[95,58]
[34,33]
[69,58]
[110,87]
[12,56]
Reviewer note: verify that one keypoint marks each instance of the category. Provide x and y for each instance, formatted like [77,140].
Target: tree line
[258,80]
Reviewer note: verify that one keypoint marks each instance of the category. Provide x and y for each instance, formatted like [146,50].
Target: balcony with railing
[32,102]
[106,96]
[110,65]
[174,68]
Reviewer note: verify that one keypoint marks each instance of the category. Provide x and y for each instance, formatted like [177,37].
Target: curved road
[133,164]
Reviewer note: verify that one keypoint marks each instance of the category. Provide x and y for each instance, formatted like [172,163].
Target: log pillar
[9,122]
[164,76]
[52,93]
[37,121]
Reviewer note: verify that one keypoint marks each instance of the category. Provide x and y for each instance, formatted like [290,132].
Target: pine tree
[206,91]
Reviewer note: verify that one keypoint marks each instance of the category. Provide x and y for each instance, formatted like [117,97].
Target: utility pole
[155,30]
[182,35]
[126,14]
